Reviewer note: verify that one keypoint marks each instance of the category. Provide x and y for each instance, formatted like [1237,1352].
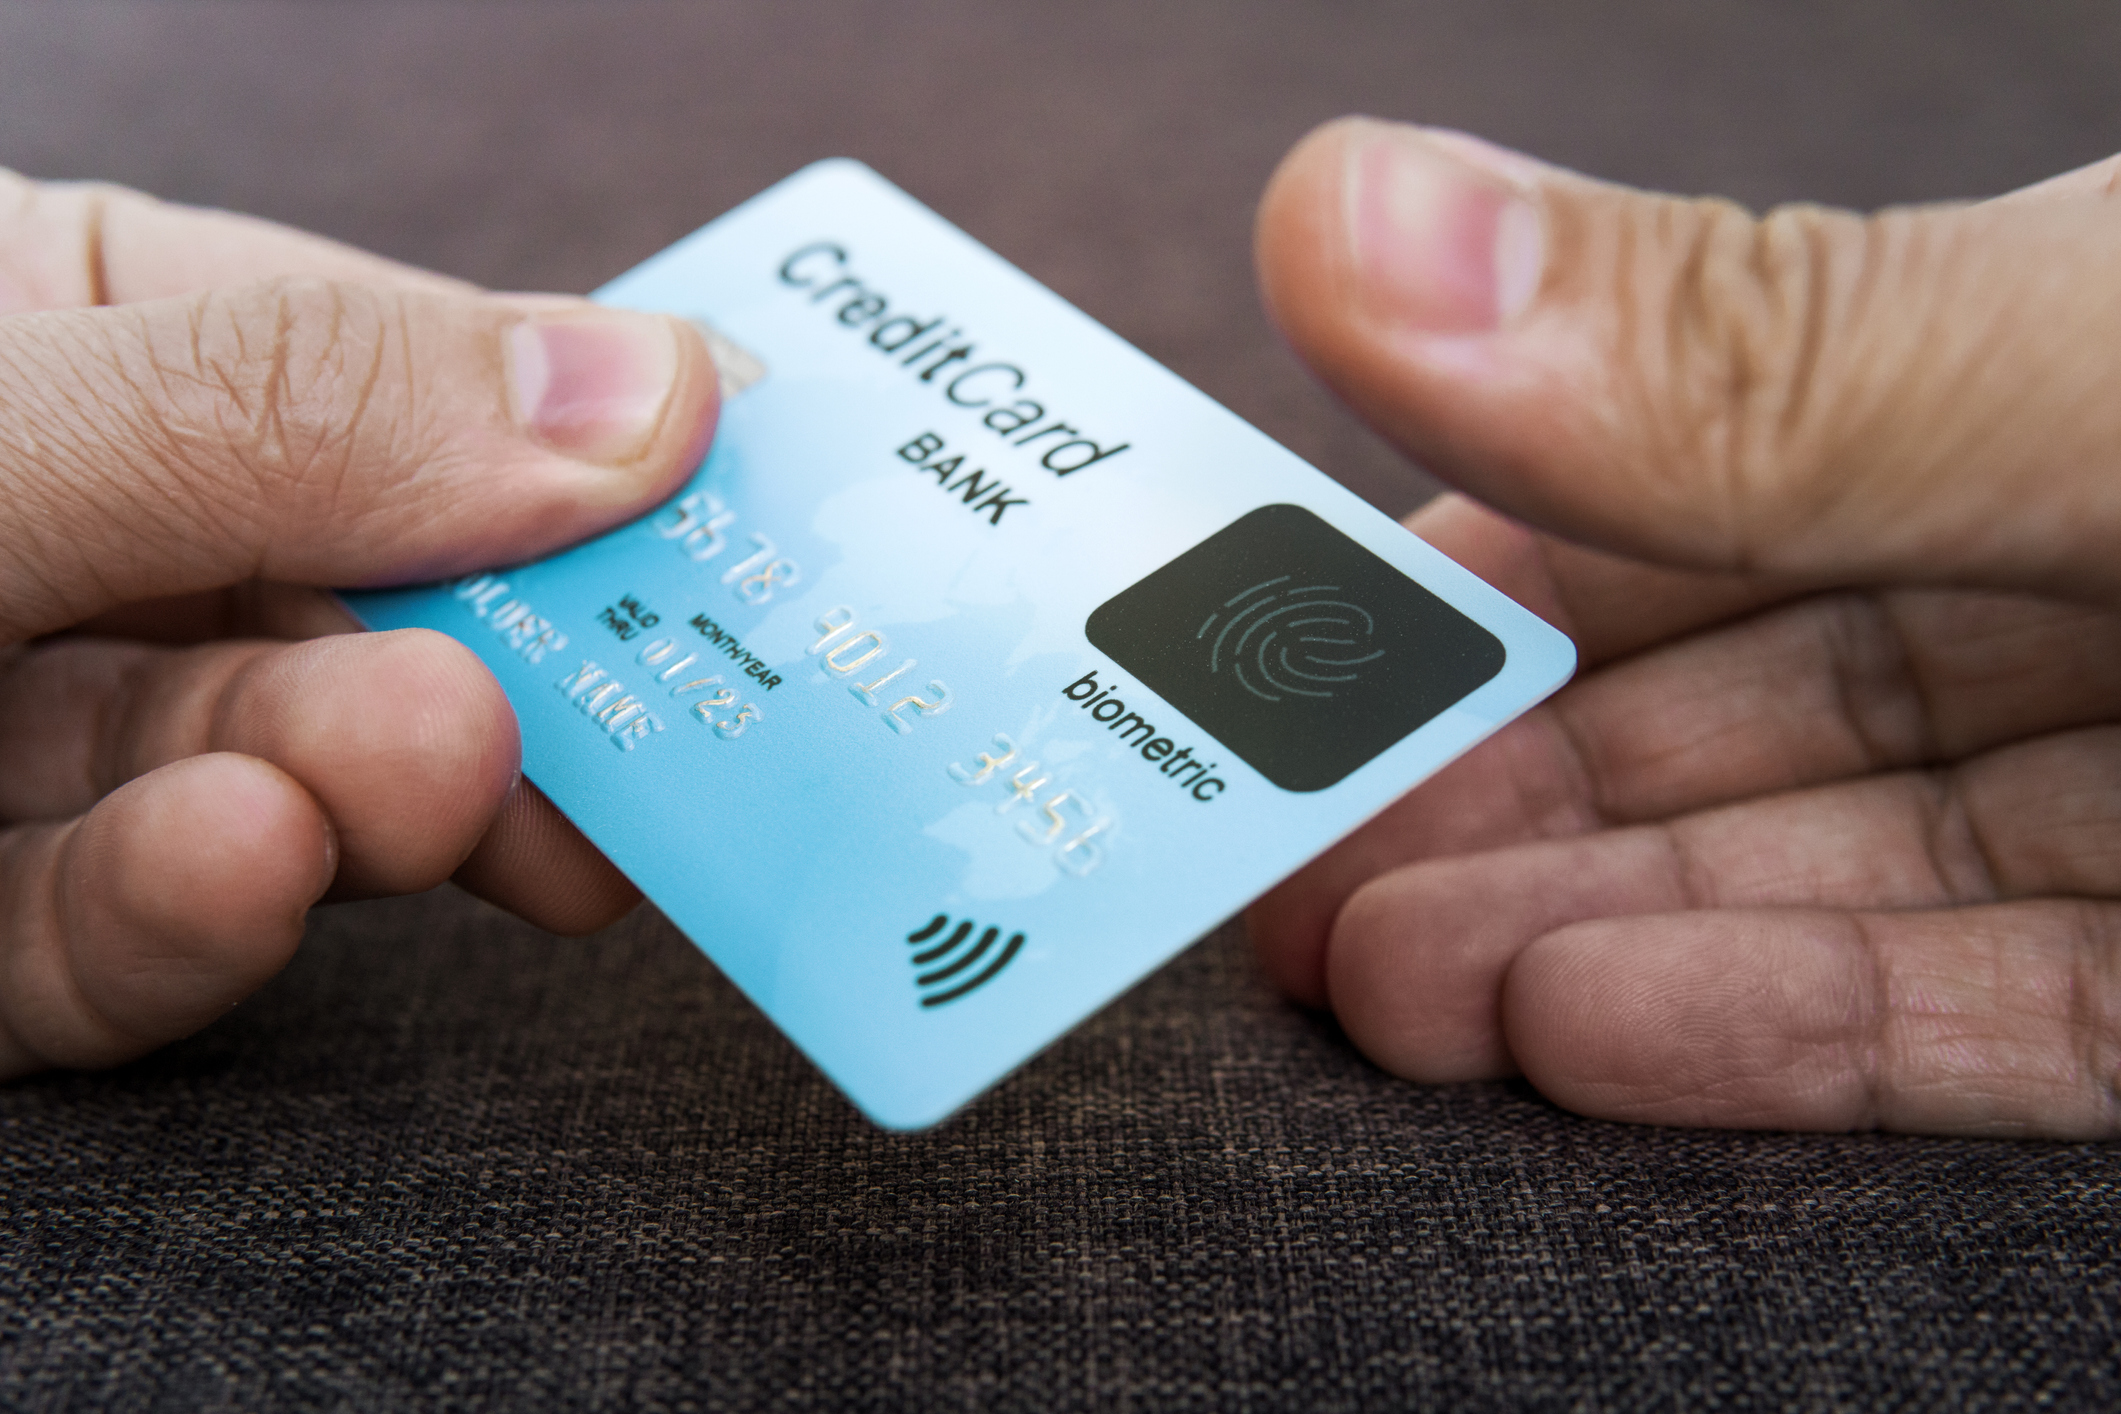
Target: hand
[1827,833]
[202,418]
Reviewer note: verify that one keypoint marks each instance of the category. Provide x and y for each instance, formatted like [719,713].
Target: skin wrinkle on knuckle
[2077,846]
[77,217]
[1571,617]
[62,217]
[109,732]
[1579,761]
[345,379]
[1693,877]
[1959,859]
[2095,1010]
[81,473]
[1925,687]
[1870,1021]
[95,267]
[1881,698]
[1681,381]
[1750,306]
[1544,775]
[284,378]
[1983,1047]
[379,417]
[22,203]
[2050,1023]
[392,422]
[169,500]
[261,411]
[1754,1092]
[395,347]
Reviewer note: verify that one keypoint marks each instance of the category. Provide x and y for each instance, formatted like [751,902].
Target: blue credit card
[984,664]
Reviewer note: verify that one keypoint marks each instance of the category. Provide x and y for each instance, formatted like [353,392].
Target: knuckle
[2095,1011]
[272,387]
[1730,338]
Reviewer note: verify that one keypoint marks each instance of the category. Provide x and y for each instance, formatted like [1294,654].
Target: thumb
[325,433]
[1922,394]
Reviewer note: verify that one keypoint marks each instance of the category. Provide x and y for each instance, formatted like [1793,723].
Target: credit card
[984,664]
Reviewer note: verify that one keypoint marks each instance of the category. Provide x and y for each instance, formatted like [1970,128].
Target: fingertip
[1404,266]
[1367,991]
[627,391]
[1378,233]
[1571,1000]
[404,737]
[180,894]
[533,862]
[1293,924]
[1413,972]
[609,412]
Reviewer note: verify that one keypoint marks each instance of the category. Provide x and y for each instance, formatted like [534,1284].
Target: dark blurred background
[447,1161]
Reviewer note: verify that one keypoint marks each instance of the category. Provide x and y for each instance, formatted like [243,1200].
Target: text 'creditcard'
[984,664]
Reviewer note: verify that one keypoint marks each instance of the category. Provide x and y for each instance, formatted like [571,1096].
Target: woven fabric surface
[446,1161]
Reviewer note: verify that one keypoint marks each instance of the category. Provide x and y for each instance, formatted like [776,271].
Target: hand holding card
[185,460]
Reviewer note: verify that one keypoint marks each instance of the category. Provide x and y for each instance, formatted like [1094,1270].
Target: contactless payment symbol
[1294,646]
[958,971]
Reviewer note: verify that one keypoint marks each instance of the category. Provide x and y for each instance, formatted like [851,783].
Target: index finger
[1995,1021]
[64,245]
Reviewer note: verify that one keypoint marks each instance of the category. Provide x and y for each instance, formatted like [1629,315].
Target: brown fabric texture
[449,1162]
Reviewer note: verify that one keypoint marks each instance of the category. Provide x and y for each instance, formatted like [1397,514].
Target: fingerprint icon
[1281,639]
[955,975]
[1325,659]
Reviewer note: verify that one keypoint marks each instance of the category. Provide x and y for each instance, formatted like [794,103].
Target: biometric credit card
[983,665]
